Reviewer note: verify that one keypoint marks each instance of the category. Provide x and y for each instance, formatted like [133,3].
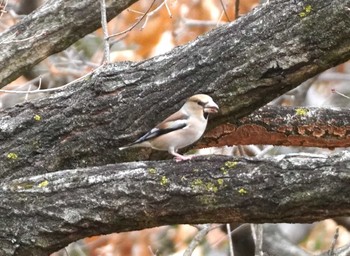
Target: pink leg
[179,158]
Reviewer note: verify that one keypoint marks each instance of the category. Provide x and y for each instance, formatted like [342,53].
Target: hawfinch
[180,129]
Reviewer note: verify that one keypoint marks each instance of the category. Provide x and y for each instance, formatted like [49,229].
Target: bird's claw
[182,158]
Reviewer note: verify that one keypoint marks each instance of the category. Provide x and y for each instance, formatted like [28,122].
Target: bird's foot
[180,158]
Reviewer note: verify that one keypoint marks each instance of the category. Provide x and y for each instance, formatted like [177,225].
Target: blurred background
[169,24]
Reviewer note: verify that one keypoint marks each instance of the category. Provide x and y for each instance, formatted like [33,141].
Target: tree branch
[42,216]
[285,126]
[84,124]
[50,29]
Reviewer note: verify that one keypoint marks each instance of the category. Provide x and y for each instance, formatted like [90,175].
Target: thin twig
[151,251]
[335,238]
[341,94]
[224,10]
[257,233]
[228,227]
[168,9]
[197,239]
[201,23]
[105,31]
[135,24]
[51,89]
[3,8]
[10,41]
[236,9]
[26,97]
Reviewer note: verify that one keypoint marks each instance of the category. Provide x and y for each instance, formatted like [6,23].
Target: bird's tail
[131,145]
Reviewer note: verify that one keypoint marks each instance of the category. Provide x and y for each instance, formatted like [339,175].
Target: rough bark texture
[285,126]
[43,216]
[243,65]
[50,29]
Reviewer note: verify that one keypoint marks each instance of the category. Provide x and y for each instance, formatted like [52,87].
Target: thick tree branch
[243,65]
[48,30]
[285,126]
[43,216]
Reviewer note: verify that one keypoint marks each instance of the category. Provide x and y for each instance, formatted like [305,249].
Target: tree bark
[285,126]
[243,65]
[48,30]
[42,215]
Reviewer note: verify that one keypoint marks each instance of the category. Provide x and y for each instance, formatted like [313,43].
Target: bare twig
[201,23]
[135,24]
[341,94]
[149,14]
[224,9]
[228,227]
[10,41]
[204,230]
[236,9]
[168,9]
[51,89]
[3,8]
[151,251]
[106,58]
[257,232]
[335,238]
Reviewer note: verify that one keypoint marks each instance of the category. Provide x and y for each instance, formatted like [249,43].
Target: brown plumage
[180,129]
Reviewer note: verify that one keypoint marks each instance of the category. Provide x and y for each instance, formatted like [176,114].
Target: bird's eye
[200,103]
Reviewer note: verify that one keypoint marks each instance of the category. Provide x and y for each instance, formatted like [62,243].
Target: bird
[180,129]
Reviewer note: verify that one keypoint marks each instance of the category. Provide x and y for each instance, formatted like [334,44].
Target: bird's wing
[174,122]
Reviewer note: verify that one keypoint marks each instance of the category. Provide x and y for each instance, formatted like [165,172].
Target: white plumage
[181,129]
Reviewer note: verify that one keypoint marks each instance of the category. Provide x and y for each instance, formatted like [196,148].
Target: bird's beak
[211,107]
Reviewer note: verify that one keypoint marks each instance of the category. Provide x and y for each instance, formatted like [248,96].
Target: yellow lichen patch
[197,182]
[43,184]
[306,11]
[220,182]
[164,181]
[242,191]
[224,170]
[195,170]
[230,164]
[37,118]
[12,156]
[209,186]
[301,111]
[152,170]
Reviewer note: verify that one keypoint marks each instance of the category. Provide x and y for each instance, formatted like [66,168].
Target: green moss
[242,191]
[227,166]
[209,186]
[224,170]
[220,182]
[43,184]
[12,156]
[197,182]
[37,118]
[164,181]
[230,164]
[301,111]
[306,11]
[152,170]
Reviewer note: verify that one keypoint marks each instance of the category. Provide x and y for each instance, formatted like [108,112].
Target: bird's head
[201,103]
